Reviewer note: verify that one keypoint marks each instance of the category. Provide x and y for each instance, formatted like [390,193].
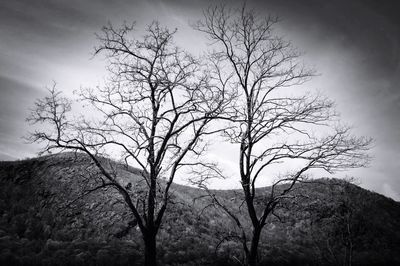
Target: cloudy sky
[354,45]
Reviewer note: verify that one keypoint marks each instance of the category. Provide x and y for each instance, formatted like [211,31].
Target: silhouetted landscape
[47,220]
[171,132]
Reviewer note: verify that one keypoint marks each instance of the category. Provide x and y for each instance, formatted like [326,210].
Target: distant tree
[271,124]
[338,224]
[344,223]
[153,112]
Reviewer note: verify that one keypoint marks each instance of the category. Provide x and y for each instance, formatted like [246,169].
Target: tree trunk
[252,256]
[150,250]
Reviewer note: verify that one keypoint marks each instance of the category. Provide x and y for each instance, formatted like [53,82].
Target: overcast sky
[354,45]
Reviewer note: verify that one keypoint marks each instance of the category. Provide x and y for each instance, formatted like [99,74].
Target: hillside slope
[46,220]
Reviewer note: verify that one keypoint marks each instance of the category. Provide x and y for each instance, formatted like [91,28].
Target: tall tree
[153,112]
[271,124]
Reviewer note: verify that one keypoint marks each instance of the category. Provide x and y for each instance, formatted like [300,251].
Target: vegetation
[46,220]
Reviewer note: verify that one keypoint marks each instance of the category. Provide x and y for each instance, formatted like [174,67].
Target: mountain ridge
[44,220]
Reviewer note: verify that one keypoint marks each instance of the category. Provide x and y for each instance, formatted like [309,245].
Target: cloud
[15,101]
[389,192]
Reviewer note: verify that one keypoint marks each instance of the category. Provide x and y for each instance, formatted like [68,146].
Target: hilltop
[46,220]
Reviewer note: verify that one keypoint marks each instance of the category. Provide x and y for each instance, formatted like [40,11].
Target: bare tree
[272,125]
[153,112]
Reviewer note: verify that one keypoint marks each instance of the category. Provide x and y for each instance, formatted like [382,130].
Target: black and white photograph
[199,132]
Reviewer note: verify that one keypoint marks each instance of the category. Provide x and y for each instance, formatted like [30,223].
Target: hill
[45,219]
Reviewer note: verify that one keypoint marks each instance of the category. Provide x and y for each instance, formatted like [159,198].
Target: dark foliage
[45,220]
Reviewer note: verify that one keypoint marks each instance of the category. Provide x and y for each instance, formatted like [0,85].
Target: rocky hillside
[46,219]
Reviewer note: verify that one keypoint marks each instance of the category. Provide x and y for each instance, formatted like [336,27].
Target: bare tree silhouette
[154,111]
[269,122]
